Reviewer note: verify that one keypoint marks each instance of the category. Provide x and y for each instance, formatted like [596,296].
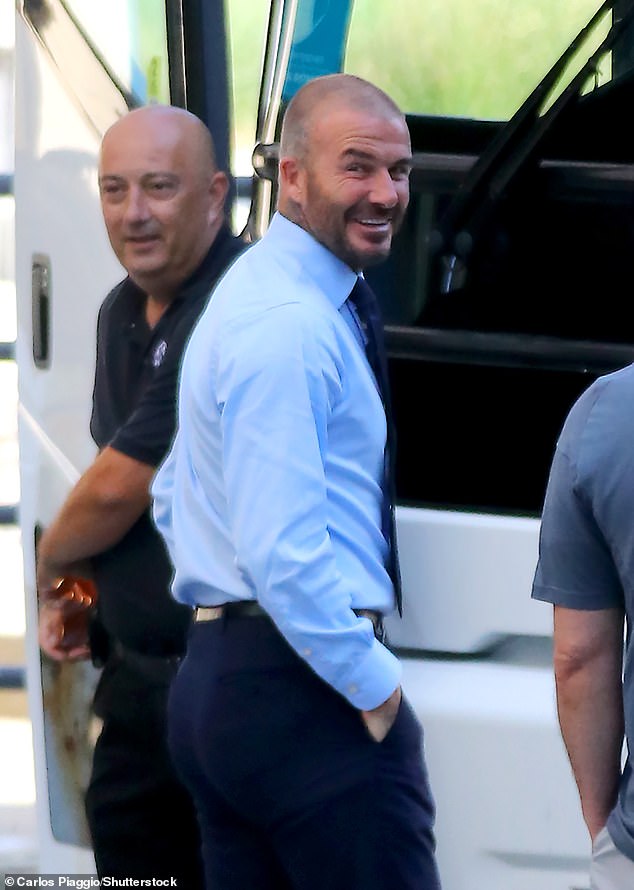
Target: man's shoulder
[261,305]
[599,428]
[618,383]
[275,306]
[604,399]
[263,278]
[221,255]
[232,246]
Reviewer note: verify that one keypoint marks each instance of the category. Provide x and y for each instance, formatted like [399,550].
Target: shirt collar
[331,275]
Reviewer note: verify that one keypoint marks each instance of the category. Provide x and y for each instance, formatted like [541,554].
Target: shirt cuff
[373,680]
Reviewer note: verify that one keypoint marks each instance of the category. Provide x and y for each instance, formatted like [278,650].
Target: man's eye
[160,187]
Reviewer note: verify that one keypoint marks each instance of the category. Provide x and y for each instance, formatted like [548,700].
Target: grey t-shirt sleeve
[576,566]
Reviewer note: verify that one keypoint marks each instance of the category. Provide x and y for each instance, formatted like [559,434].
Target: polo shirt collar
[198,283]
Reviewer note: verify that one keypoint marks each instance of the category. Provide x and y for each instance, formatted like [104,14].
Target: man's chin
[371,256]
[144,264]
[373,248]
[145,275]
[358,253]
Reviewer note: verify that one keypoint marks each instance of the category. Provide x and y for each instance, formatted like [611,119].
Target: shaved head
[154,118]
[324,94]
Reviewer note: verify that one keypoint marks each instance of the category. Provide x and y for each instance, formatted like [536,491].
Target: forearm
[100,510]
[590,708]
[81,530]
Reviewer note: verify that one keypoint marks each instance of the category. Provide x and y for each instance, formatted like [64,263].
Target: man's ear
[291,179]
[218,188]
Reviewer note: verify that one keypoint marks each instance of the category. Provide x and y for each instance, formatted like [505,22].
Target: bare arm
[106,502]
[588,663]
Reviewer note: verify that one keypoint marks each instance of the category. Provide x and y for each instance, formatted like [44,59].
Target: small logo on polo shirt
[159,354]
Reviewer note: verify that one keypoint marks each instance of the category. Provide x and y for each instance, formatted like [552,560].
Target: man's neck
[161,294]
[154,309]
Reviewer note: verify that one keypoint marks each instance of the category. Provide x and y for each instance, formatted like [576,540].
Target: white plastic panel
[466,580]
[508,815]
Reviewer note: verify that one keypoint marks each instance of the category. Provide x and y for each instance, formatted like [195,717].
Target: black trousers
[142,820]
[291,790]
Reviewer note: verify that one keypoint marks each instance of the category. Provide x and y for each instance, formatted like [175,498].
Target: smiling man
[163,201]
[345,174]
[286,719]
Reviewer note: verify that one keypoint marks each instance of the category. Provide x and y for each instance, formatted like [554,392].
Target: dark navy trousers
[290,789]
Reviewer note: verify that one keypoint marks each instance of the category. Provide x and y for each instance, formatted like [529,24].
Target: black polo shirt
[134,411]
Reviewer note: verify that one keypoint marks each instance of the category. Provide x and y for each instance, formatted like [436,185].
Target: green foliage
[472,58]
[247,21]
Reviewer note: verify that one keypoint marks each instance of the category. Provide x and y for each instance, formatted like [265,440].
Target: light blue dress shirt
[272,488]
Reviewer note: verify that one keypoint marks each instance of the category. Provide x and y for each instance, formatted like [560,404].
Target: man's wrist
[47,583]
[374,679]
[392,701]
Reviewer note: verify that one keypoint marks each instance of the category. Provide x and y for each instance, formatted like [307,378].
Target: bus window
[458,58]
[496,352]
[246,21]
[130,38]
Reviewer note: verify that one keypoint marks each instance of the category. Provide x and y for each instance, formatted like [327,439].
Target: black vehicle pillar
[623,53]
[198,56]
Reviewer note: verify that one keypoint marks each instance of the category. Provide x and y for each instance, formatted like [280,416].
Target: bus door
[80,65]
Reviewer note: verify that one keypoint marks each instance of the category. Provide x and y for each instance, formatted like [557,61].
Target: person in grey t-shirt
[586,569]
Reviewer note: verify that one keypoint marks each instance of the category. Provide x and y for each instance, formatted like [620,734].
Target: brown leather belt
[252,609]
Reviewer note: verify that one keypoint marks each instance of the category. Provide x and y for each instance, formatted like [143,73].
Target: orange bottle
[75,596]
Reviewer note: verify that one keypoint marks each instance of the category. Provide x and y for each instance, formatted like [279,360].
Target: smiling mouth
[375,226]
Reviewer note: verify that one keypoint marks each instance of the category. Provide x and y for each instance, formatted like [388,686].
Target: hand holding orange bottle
[63,619]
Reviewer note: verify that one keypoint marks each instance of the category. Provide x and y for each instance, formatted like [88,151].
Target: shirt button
[353,688]
[308,652]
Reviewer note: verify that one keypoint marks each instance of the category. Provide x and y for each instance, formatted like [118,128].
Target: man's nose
[136,207]
[384,191]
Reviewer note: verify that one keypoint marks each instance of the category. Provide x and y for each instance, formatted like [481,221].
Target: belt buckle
[208,613]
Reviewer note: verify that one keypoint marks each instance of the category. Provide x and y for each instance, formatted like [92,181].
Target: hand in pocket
[380,720]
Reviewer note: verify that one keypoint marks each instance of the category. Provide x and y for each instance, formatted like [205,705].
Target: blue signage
[319,42]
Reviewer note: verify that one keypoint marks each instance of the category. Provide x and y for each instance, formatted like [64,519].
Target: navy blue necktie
[368,311]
